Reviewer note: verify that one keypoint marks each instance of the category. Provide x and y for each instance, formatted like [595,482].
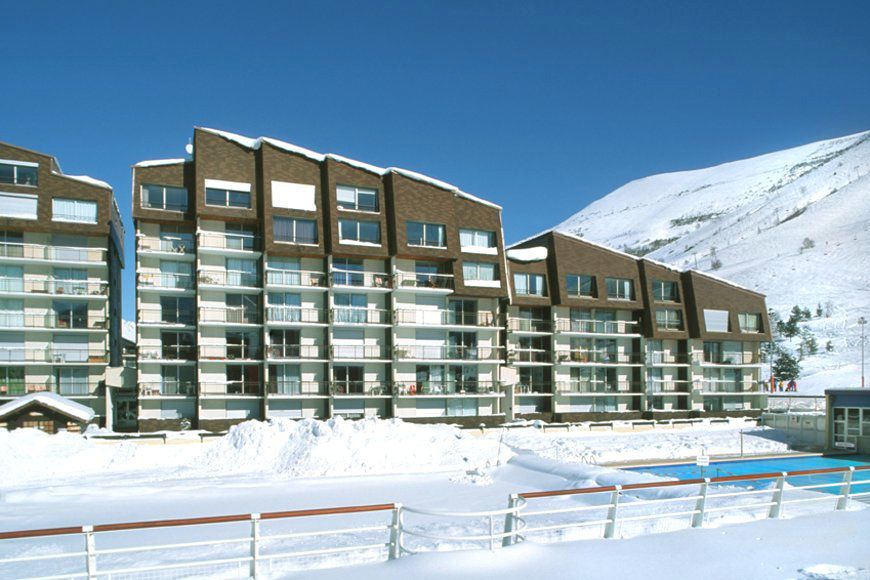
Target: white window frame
[72,220]
[295,221]
[163,192]
[528,278]
[716,314]
[660,285]
[355,191]
[672,316]
[476,249]
[477,280]
[15,165]
[620,287]
[756,316]
[426,225]
[578,294]
[357,241]
[227,187]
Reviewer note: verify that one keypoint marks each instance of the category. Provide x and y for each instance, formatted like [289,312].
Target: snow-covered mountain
[794,225]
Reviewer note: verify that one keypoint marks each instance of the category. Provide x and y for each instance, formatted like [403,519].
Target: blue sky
[540,107]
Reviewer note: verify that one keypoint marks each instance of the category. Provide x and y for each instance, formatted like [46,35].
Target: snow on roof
[87,179]
[52,401]
[662,264]
[724,281]
[159,162]
[251,143]
[533,254]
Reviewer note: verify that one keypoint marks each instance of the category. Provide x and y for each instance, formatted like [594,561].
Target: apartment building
[61,255]
[274,281]
[593,331]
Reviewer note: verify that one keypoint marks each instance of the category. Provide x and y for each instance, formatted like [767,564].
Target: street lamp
[862,322]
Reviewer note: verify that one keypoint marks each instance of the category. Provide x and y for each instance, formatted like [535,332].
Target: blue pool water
[725,468]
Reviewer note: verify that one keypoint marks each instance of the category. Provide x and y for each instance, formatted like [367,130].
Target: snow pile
[833,572]
[533,254]
[312,448]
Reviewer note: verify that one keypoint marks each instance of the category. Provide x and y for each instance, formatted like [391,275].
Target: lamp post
[862,322]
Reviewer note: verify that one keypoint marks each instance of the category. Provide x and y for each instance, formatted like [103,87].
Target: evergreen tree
[786,367]
[819,310]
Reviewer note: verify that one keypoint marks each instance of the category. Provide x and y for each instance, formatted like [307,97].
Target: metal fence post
[510,521]
[395,533]
[776,508]
[846,489]
[91,549]
[491,533]
[610,528]
[700,505]
[255,545]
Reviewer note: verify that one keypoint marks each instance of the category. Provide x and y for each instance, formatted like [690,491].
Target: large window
[581,285]
[666,291]
[620,289]
[669,319]
[716,320]
[359,231]
[294,230]
[14,205]
[480,272]
[19,172]
[220,194]
[429,235]
[477,241]
[357,198]
[73,210]
[164,197]
[530,284]
[749,322]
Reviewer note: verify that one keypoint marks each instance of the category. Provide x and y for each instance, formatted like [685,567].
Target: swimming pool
[776,464]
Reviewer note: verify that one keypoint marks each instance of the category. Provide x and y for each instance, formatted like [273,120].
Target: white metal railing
[590,326]
[52,253]
[784,403]
[306,278]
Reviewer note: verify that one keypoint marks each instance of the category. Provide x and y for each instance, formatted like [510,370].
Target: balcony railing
[52,253]
[295,314]
[598,326]
[52,355]
[667,358]
[220,352]
[167,389]
[296,351]
[303,278]
[726,386]
[168,352]
[731,358]
[357,315]
[529,325]
[359,351]
[428,281]
[670,386]
[291,387]
[445,388]
[241,388]
[443,317]
[361,279]
[530,355]
[598,357]
[219,241]
[617,387]
[156,316]
[226,278]
[446,352]
[533,389]
[169,280]
[229,315]
[67,388]
[350,388]
[54,321]
[52,286]
[147,244]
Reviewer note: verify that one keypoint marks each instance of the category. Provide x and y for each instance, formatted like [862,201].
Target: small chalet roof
[55,402]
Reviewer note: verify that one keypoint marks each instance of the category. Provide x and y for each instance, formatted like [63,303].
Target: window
[749,321]
[581,285]
[72,381]
[164,197]
[227,193]
[669,319]
[429,235]
[73,210]
[19,172]
[242,272]
[620,289]
[716,320]
[665,291]
[359,231]
[177,310]
[12,381]
[299,196]
[480,273]
[70,314]
[529,284]
[11,278]
[13,205]
[357,198]
[478,241]
[294,231]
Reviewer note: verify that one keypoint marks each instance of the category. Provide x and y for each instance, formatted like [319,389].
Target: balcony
[52,321]
[179,248]
[443,317]
[295,279]
[220,243]
[294,315]
[598,357]
[156,317]
[599,327]
[53,287]
[581,387]
[66,355]
[296,388]
[165,281]
[665,358]
[413,352]
[726,387]
[71,388]
[46,253]
[356,316]
[672,387]
[530,355]
[424,282]
[440,388]
[231,389]
[167,389]
[225,279]
[370,280]
[359,352]
[229,316]
[729,358]
[360,389]
[229,352]
[169,352]
[534,389]
[529,325]
[315,352]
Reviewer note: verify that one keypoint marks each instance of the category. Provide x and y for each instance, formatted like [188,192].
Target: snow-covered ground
[754,216]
